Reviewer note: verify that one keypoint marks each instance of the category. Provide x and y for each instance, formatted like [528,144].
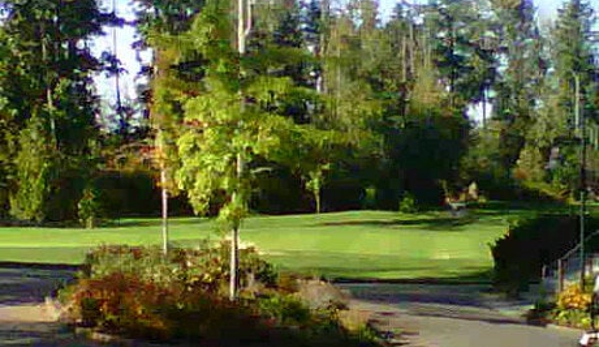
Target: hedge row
[530,243]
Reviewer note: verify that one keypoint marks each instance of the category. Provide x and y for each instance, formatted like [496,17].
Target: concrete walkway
[454,316]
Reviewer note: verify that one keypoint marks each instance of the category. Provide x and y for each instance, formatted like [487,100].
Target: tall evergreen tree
[518,88]
[573,75]
[459,30]
[49,102]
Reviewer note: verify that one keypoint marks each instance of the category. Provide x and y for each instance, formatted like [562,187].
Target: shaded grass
[358,245]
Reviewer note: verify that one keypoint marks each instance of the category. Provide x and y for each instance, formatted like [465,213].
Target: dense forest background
[339,110]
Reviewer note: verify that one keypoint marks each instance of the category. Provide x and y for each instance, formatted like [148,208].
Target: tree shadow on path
[469,302]
[27,284]
[39,334]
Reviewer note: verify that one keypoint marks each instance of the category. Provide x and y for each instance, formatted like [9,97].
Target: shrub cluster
[140,293]
[571,307]
[532,242]
[206,267]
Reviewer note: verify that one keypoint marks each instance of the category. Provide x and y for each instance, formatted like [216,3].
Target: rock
[52,308]
[319,294]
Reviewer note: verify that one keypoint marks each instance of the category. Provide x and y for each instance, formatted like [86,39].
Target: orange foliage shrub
[574,298]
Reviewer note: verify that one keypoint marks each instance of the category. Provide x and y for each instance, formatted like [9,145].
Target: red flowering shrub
[122,303]
[140,293]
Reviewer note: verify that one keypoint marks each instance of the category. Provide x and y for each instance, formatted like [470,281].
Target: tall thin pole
[580,118]
[164,207]
[117,77]
[161,147]
[244,26]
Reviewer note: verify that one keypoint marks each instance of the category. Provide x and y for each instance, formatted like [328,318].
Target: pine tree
[47,98]
[518,88]
[574,67]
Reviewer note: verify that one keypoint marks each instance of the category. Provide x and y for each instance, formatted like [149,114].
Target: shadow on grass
[154,222]
[123,222]
[440,223]
[479,277]
[42,256]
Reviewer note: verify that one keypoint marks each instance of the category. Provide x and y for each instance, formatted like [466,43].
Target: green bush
[408,204]
[284,309]
[89,208]
[370,198]
[531,243]
[573,318]
[206,267]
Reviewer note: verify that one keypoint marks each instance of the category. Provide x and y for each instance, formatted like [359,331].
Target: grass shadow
[440,223]
[477,277]
[124,222]
[156,222]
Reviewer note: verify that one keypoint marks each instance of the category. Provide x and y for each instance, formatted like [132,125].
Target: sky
[126,36]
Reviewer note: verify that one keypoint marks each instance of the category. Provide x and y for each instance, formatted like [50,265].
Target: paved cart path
[25,320]
[454,316]
[428,315]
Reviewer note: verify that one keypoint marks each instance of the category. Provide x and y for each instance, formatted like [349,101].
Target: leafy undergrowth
[570,308]
[138,293]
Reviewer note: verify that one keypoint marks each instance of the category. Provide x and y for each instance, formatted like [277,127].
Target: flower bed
[136,292]
[571,308]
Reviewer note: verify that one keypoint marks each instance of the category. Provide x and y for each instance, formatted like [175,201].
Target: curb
[561,327]
[41,266]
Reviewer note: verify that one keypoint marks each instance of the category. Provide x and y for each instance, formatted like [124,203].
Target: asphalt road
[427,315]
[455,316]
[24,321]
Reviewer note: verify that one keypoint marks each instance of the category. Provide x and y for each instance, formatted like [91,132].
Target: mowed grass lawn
[354,245]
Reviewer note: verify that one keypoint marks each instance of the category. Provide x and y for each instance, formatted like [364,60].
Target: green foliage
[47,109]
[541,312]
[573,305]
[573,318]
[89,208]
[206,267]
[228,134]
[315,182]
[408,204]
[465,65]
[139,293]
[531,243]
[285,309]
[428,151]
[34,172]
[336,100]
[370,198]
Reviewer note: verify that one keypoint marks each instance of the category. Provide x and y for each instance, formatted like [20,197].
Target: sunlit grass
[359,245]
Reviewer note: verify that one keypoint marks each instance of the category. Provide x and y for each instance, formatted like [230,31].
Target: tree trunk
[244,25]
[49,97]
[484,107]
[317,200]
[164,210]
[233,281]
[233,265]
